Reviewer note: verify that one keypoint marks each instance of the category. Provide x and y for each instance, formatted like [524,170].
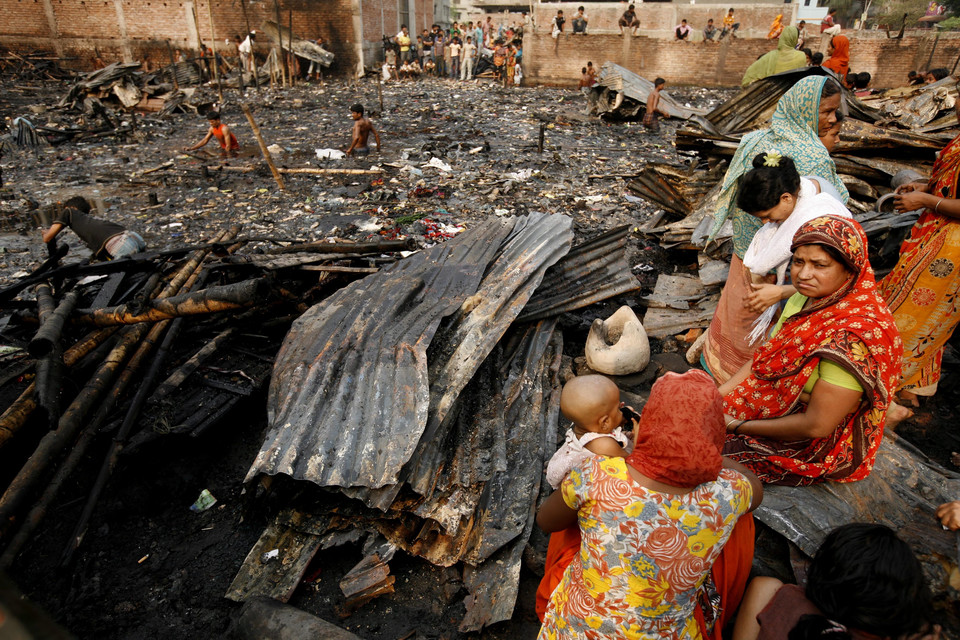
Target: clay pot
[617,346]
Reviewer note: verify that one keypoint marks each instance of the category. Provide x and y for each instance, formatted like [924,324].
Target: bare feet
[897,414]
[909,398]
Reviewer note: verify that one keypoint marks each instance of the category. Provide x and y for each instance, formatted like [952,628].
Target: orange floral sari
[923,290]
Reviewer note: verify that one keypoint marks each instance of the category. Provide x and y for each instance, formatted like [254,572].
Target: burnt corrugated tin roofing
[349,395]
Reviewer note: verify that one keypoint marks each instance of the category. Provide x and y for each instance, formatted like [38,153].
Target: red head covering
[840,60]
[681,431]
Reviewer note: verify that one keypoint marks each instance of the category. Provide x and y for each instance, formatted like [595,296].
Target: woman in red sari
[812,404]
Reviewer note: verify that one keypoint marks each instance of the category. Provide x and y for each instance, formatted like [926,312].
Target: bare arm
[356,139]
[737,379]
[52,232]
[763,295]
[606,447]
[554,514]
[920,199]
[829,404]
[754,481]
[376,136]
[203,142]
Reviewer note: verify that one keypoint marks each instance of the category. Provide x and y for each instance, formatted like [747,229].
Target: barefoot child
[362,128]
[224,135]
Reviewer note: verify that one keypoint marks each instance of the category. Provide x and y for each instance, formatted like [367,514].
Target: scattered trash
[204,502]
[330,154]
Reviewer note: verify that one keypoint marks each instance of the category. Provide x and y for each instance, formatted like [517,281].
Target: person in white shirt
[246,52]
[466,66]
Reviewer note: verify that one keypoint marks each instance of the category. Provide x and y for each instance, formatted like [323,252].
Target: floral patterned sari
[923,290]
[853,328]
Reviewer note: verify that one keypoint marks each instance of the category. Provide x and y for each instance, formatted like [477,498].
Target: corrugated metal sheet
[349,395]
[631,85]
[752,108]
[903,491]
[593,271]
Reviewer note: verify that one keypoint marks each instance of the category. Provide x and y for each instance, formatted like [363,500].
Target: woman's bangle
[936,209]
[736,429]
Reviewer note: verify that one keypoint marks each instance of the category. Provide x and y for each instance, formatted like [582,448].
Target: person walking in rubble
[245,50]
[362,128]
[229,146]
[107,240]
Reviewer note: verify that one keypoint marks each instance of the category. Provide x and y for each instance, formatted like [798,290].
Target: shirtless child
[362,128]
[224,135]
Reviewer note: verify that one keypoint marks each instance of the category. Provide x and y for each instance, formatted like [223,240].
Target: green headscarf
[784,58]
[792,132]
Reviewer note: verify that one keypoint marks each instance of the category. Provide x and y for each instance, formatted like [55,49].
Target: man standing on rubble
[107,240]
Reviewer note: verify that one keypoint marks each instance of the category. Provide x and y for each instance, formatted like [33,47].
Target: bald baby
[592,403]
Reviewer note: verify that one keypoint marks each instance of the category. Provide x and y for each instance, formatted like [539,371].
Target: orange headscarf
[839,62]
[681,431]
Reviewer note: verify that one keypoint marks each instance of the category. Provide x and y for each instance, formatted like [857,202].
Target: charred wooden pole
[213,41]
[263,146]
[283,69]
[543,129]
[256,74]
[379,91]
[78,451]
[175,379]
[49,333]
[289,45]
[49,368]
[67,429]
[173,67]
[17,413]
[210,300]
[343,247]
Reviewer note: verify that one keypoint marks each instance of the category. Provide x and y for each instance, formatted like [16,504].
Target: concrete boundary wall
[558,61]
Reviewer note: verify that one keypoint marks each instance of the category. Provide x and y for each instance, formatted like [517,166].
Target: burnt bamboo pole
[120,440]
[17,413]
[213,41]
[210,300]
[45,302]
[173,67]
[290,46]
[263,146]
[384,246]
[284,71]
[78,451]
[177,378]
[49,333]
[55,441]
[48,369]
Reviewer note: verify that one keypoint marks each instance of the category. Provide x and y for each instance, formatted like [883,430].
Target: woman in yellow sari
[923,290]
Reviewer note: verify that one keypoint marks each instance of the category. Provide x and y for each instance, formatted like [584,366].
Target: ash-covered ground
[151,568]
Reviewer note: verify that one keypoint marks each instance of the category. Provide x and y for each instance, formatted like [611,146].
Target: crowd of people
[459,53]
[808,359]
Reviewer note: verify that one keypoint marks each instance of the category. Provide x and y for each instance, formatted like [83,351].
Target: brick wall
[660,18]
[558,61]
[140,29]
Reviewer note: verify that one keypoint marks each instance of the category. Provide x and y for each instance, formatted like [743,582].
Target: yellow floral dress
[643,554]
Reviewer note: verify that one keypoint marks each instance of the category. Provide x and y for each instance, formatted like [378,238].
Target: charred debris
[411,369]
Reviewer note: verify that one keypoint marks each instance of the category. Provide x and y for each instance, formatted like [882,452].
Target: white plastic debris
[437,163]
[329,154]
[275,150]
[520,176]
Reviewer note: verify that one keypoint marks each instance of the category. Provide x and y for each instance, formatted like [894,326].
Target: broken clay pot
[618,345]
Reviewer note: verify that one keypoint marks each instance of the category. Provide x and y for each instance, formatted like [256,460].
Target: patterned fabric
[839,62]
[923,289]
[784,58]
[643,556]
[679,443]
[792,132]
[852,327]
